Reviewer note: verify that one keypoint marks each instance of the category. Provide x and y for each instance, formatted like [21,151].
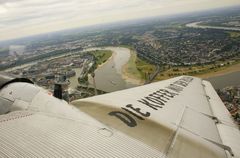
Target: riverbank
[110,58]
[204,72]
[130,71]
[223,71]
[135,69]
[108,75]
[102,56]
[123,67]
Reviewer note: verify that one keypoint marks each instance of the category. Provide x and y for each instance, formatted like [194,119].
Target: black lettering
[175,88]
[181,83]
[151,105]
[154,100]
[159,96]
[138,110]
[187,79]
[128,120]
[137,116]
[167,93]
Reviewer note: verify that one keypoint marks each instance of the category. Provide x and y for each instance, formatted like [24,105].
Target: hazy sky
[27,17]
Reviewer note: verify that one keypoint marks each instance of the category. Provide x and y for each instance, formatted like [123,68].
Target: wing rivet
[105,132]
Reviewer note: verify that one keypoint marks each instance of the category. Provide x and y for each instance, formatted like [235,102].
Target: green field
[234,34]
[144,68]
[137,68]
[131,68]
[101,56]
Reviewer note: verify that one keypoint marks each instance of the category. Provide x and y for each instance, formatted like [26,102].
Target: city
[163,49]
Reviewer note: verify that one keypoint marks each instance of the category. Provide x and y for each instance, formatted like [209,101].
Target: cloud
[27,17]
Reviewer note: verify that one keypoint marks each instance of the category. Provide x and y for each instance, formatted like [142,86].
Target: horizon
[122,23]
[19,23]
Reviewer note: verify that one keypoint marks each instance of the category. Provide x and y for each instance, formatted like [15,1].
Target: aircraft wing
[181,117]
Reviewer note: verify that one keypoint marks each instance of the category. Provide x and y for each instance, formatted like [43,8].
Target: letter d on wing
[128,120]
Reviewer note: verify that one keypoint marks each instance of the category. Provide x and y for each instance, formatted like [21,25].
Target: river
[230,79]
[74,80]
[108,77]
[197,25]
[34,62]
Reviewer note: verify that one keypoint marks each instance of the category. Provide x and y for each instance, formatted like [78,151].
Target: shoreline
[124,72]
[131,75]
[221,72]
[110,58]
[127,76]
[225,71]
[109,76]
